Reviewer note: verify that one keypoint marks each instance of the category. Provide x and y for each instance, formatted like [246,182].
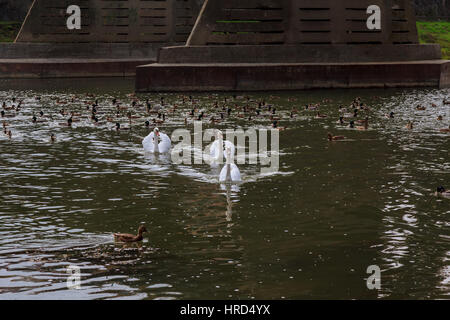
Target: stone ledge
[278,76]
[68,68]
[298,53]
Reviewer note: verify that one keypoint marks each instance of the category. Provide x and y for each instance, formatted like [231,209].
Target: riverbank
[436,32]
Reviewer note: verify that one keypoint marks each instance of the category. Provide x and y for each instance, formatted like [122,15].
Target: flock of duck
[157,113]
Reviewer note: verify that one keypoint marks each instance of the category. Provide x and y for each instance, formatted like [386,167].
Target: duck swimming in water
[152,143]
[320,116]
[440,191]
[126,237]
[365,125]
[335,138]
[341,121]
[445,130]
[68,123]
[120,128]
[230,172]
[390,115]
[351,124]
[409,125]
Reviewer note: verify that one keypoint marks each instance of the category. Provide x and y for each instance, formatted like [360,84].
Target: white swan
[219,146]
[230,172]
[153,145]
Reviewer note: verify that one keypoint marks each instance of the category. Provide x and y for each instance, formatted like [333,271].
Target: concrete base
[336,53]
[68,68]
[160,77]
[66,60]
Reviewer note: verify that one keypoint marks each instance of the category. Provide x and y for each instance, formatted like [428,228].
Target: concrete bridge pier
[298,44]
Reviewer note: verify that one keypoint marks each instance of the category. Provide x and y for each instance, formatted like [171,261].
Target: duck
[125,237]
[151,142]
[219,147]
[351,115]
[365,124]
[341,121]
[445,130]
[4,115]
[335,138]
[230,172]
[440,191]
[275,126]
[342,109]
[68,123]
[421,108]
[214,120]
[390,115]
[409,125]
[157,122]
[120,128]
[351,124]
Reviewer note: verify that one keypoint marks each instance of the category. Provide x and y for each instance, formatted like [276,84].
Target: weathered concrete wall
[131,21]
[278,22]
[260,77]
[21,50]
[445,76]
[14,10]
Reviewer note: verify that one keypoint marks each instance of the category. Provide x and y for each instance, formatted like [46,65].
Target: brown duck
[125,237]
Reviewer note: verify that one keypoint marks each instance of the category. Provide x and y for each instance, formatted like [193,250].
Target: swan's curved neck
[228,157]
[219,139]
[228,176]
[155,142]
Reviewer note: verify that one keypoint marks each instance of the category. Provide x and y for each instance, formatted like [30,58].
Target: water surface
[308,232]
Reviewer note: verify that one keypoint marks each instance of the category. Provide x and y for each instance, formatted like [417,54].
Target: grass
[436,32]
[429,32]
[9,31]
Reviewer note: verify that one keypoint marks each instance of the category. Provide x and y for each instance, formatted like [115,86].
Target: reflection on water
[309,231]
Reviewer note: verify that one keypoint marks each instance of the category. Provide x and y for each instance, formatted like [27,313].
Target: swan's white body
[153,145]
[234,173]
[218,148]
[230,172]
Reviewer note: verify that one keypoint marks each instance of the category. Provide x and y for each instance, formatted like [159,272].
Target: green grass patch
[436,32]
[9,31]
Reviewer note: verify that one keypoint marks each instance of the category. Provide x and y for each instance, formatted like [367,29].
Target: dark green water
[308,232]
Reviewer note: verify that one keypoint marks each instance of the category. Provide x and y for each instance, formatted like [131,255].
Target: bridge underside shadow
[288,45]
